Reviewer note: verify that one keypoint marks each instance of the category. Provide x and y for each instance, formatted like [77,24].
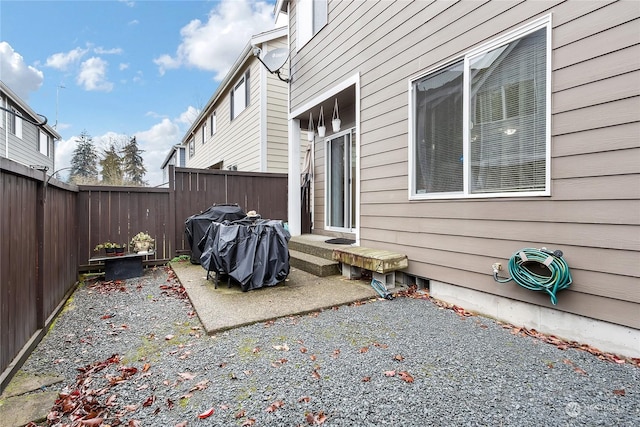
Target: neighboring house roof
[24,106]
[170,154]
[229,78]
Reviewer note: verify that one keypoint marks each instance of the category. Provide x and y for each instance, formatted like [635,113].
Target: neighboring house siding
[243,144]
[592,213]
[25,149]
[277,127]
[236,142]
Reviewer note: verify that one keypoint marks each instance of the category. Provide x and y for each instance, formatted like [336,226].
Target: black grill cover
[253,252]
[196,225]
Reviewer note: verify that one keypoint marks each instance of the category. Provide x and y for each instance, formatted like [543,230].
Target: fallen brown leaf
[149,401]
[405,376]
[92,422]
[206,414]
[186,375]
[274,406]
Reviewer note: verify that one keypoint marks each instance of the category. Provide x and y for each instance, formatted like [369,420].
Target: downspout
[264,152]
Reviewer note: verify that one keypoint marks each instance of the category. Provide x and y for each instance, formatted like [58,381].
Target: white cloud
[166,62]
[62,60]
[123,66]
[64,153]
[138,77]
[93,75]
[216,44]
[156,143]
[103,51]
[18,76]
[187,118]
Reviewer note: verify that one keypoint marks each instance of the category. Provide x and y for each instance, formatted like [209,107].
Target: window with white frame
[212,124]
[43,143]
[480,124]
[240,96]
[15,123]
[311,16]
[192,147]
[204,132]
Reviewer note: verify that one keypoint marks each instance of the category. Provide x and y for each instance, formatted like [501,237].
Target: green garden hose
[520,265]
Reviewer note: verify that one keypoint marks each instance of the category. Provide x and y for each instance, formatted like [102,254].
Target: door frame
[350,187]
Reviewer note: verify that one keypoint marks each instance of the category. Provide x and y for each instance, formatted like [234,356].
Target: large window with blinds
[480,125]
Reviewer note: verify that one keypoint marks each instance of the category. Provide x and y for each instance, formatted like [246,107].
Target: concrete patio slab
[225,308]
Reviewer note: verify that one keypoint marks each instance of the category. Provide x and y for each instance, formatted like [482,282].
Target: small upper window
[43,143]
[240,96]
[502,91]
[212,124]
[15,123]
[192,148]
[311,17]
[204,133]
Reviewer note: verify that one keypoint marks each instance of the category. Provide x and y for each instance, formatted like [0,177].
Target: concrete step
[315,265]
[314,245]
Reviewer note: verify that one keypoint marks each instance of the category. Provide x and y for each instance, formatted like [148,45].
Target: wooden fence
[49,230]
[38,258]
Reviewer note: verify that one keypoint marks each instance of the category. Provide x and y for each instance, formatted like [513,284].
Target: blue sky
[123,68]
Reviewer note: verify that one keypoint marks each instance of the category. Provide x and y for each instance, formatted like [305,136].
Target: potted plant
[142,242]
[120,248]
[109,248]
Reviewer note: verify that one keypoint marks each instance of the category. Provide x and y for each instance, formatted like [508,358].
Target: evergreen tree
[133,165]
[111,164]
[84,163]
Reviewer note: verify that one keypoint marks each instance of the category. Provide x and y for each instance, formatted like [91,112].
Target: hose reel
[537,270]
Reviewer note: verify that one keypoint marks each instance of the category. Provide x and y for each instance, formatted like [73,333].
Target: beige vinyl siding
[236,142]
[593,211]
[277,125]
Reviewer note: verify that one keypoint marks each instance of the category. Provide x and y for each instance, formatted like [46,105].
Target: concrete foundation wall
[605,336]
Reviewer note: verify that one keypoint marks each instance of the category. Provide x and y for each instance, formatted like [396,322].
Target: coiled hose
[519,263]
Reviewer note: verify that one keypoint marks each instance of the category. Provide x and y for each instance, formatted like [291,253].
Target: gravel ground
[134,354]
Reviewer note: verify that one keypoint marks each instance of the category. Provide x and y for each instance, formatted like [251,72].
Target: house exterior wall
[236,142]
[592,211]
[276,117]
[24,149]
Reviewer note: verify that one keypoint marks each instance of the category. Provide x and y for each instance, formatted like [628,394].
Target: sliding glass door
[340,185]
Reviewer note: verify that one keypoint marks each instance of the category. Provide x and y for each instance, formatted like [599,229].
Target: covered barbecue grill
[254,252]
[196,225]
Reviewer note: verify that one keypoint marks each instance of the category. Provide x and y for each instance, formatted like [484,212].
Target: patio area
[228,307]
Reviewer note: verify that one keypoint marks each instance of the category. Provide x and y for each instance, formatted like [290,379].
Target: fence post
[40,235]
[173,242]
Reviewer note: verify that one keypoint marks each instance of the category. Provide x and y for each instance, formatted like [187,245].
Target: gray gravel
[333,367]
